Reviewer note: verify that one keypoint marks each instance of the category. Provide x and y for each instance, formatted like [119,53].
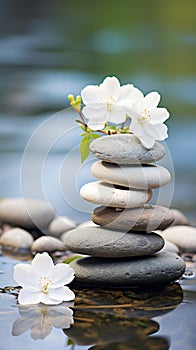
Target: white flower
[105,103]
[147,119]
[43,282]
[40,319]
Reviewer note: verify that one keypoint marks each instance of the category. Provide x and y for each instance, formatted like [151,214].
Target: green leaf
[95,136]
[72,258]
[85,147]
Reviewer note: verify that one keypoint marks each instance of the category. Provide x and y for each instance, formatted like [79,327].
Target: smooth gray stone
[48,244]
[25,212]
[100,242]
[60,225]
[160,268]
[16,238]
[132,176]
[125,149]
[179,218]
[147,218]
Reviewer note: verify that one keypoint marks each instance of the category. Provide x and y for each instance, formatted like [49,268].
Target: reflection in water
[40,319]
[121,319]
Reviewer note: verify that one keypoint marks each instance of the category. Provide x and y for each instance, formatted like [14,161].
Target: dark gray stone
[100,242]
[25,212]
[147,218]
[160,268]
[125,149]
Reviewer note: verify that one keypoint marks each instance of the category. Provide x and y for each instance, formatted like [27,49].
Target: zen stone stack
[123,250]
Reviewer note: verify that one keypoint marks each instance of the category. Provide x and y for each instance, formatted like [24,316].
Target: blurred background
[49,49]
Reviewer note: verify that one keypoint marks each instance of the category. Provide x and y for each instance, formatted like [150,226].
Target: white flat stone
[133,176]
[16,238]
[111,196]
[183,236]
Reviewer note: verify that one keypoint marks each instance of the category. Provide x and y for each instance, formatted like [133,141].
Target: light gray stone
[147,218]
[133,176]
[125,149]
[100,242]
[183,236]
[170,247]
[114,196]
[160,268]
[88,223]
[16,238]
[179,218]
[59,225]
[26,213]
[48,244]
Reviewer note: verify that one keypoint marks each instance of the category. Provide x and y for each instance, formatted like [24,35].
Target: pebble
[179,218]
[113,196]
[125,149]
[183,236]
[59,225]
[88,223]
[26,213]
[147,218]
[170,247]
[160,268]
[133,176]
[16,238]
[100,242]
[48,244]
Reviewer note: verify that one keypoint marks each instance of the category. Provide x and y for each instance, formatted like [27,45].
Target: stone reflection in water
[40,319]
[121,319]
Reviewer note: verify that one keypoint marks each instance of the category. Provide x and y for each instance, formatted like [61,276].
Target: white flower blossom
[105,102]
[43,282]
[40,319]
[147,118]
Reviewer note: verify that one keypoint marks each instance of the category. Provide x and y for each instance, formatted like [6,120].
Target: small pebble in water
[188,274]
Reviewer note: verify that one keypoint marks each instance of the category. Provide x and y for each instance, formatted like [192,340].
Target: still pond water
[47,50]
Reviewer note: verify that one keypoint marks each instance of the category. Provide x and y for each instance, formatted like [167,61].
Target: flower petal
[116,116]
[159,115]
[63,317]
[97,124]
[110,87]
[41,328]
[125,92]
[46,299]
[42,264]
[21,325]
[23,275]
[157,131]
[90,94]
[137,98]
[61,294]
[61,274]
[147,140]
[151,100]
[26,298]
[136,127]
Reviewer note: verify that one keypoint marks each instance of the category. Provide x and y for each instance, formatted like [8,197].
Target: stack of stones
[122,249]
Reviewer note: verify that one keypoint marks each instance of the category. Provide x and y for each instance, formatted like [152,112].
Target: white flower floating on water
[43,282]
[112,103]
[40,319]
[147,119]
[105,103]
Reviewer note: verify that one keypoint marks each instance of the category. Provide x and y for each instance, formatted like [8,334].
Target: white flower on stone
[43,282]
[105,102]
[147,118]
[40,319]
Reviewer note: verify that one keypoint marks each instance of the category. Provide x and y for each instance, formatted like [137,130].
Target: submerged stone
[125,149]
[100,242]
[160,268]
[16,238]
